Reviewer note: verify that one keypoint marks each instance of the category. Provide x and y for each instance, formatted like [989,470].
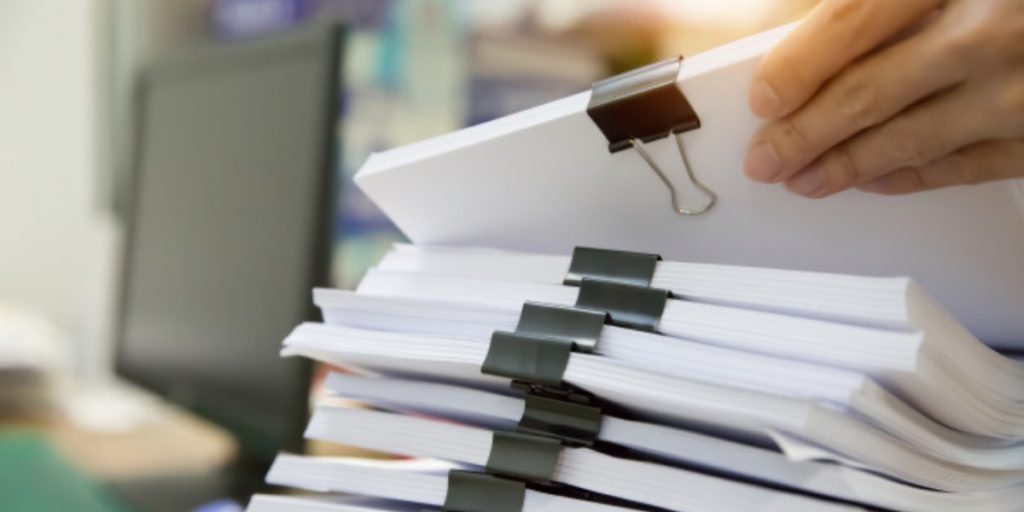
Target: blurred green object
[34,478]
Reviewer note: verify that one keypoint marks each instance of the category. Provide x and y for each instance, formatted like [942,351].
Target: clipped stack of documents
[622,380]
[538,373]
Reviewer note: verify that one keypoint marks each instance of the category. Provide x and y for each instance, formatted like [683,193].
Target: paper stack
[564,378]
[615,381]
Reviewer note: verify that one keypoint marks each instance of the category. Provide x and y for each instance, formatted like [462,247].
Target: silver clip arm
[675,196]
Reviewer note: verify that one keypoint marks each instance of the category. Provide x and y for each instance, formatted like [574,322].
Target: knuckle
[915,181]
[858,99]
[966,172]
[843,169]
[903,145]
[792,139]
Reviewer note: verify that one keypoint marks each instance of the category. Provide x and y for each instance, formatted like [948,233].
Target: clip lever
[676,205]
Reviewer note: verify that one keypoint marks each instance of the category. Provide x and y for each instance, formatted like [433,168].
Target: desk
[173,442]
[33,477]
[51,464]
[174,449]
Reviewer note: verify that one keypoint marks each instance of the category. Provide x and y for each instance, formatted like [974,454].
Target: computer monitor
[229,231]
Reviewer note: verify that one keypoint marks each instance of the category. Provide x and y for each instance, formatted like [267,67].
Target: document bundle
[578,325]
[614,380]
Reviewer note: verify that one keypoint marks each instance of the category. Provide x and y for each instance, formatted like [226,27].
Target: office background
[410,69]
[414,69]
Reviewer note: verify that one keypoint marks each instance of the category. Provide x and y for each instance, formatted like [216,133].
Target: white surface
[661,486]
[543,180]
[58,246]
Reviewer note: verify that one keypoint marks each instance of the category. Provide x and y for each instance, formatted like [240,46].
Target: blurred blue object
[220,506]
[243,18]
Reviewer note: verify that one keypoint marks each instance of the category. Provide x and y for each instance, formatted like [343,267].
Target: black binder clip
[579,327]
[624,267]
[538,360]
[535,358]
[574,422]
[629,306]
[644,105]
[480,492]
[523,456]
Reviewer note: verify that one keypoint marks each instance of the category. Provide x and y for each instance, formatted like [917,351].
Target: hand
[893,96]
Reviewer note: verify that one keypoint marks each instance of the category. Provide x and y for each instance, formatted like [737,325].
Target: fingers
[861,96]
[927,131]
[833,35]
[981,162]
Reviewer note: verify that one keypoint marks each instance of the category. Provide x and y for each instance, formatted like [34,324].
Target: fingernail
[810,182]
[763,163]
[764,100]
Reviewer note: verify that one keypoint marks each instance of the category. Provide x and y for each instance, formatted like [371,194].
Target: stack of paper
[518,382]
[746,397]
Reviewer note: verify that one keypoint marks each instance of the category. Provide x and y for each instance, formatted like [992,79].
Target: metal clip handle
[673,194]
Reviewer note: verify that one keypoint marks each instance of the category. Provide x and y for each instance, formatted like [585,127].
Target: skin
[892,97]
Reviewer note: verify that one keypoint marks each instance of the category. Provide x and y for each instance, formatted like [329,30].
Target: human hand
[893,96]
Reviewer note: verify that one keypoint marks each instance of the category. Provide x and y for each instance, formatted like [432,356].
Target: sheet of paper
[543,180]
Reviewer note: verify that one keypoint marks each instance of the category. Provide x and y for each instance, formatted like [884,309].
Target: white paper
[543,180]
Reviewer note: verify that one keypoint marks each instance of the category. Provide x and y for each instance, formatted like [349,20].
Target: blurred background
[176,174]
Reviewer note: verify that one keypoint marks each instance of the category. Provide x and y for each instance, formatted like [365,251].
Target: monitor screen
[229,231]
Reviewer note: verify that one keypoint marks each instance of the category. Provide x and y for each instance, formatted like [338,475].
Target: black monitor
[229,231]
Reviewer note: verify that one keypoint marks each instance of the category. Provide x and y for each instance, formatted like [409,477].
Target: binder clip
[479,492]
[629,306]
[624,267]
[644,105]
[618,284]
[535,357]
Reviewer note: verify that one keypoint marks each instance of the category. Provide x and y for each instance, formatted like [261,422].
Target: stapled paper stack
[574,378]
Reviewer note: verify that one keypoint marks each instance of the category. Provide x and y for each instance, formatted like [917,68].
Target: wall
[57,244]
